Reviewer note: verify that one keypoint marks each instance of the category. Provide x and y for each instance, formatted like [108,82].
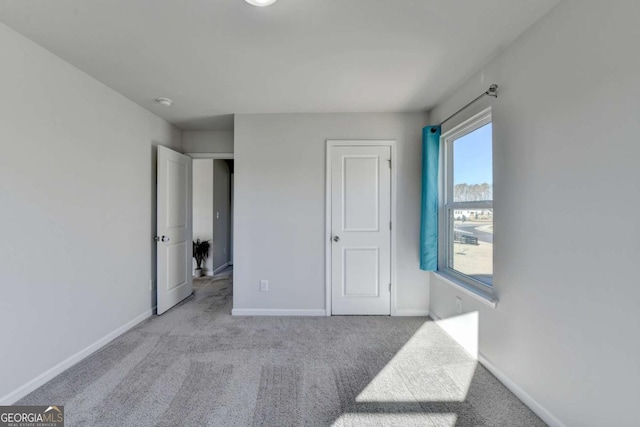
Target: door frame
[331,143]
[210,155]
[221,156]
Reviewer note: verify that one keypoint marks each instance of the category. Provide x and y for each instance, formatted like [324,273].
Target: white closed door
[173,236]
[360,230]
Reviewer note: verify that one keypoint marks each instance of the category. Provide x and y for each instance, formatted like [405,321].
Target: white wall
[217,141]
[567,243]
[279,216]
[221,214]
[203,215]
[77,191]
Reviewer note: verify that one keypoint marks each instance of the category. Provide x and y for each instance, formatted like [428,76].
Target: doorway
[212,214]
[360,235]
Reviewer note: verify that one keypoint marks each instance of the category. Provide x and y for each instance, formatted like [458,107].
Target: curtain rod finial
[493,90]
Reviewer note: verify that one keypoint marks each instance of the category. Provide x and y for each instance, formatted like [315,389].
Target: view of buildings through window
[471,210]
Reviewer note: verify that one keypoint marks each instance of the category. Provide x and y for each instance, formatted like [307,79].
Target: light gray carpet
[198,366]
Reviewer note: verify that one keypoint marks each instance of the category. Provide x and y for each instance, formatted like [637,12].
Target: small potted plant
[200,253]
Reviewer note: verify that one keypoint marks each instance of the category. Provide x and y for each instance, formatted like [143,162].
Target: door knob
[336,238]
[165,239]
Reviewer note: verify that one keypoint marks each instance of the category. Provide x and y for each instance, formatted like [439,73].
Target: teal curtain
[429,218]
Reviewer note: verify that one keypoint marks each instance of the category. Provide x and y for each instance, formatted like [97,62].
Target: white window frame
[445,244]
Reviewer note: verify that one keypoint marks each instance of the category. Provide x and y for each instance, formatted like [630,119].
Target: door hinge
[389,163]
[389,287]
[389,225]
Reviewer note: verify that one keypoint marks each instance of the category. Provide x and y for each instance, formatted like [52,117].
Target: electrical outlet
[458,305]
[264,285]
[217,215]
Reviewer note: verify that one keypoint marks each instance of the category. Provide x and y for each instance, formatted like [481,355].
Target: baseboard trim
[219,269]
[525,397]
[276,312]
[49,374]
[411,312]
[213,272]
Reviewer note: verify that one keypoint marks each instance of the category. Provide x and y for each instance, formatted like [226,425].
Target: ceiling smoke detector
[164,101]
[261,3]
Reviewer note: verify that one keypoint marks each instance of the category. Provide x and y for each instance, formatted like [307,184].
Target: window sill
[480,296]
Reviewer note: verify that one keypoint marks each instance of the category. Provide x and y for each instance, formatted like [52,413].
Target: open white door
[360,200]
[175,281]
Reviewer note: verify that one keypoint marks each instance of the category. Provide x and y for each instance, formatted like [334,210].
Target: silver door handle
[336,238]
[165,239]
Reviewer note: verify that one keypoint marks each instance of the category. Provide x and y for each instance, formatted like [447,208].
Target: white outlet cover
[264,285]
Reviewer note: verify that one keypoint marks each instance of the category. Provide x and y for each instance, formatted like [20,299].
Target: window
[466,217]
